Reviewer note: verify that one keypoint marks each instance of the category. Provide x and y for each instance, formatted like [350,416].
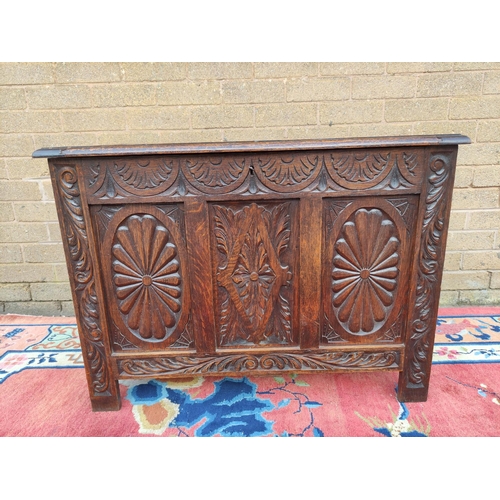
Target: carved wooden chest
[255,258]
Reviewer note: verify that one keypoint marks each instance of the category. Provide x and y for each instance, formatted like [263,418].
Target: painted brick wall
[75,104]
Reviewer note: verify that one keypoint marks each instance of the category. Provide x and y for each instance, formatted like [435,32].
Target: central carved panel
[254,272]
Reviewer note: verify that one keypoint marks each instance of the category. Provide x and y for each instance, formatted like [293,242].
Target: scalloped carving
[368,169]
[215,174]
[358,170]
[147,176]
[287,172]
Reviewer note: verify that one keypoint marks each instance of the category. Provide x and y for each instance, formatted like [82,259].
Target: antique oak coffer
[255,257]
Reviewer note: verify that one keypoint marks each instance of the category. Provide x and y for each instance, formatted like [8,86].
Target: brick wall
[74,104]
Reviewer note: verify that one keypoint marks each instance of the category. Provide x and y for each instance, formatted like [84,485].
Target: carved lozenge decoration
[251,275]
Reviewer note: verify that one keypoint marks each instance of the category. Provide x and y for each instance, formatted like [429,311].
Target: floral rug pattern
[289,405]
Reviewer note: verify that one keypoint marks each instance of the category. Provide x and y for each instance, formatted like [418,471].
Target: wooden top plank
[244,147]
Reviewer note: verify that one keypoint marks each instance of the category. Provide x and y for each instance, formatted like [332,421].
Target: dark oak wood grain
[311,221]
[255,258]
[198,236]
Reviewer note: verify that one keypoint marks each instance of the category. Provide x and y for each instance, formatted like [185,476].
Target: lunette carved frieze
[314,361]
[431,248]
[215,174]
[369,168]
[82,271]
[138,176]
[287,172]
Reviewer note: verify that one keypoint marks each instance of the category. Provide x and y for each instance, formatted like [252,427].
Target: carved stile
[81,271]
[438,190]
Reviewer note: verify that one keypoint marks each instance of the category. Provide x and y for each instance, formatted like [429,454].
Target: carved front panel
[254,249]
[365,273]
[309,256]
[144,267]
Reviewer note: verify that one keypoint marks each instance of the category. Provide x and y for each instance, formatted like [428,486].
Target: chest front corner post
[433,221]
[76,235]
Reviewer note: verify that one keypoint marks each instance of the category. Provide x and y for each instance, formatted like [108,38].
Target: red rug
[43,391]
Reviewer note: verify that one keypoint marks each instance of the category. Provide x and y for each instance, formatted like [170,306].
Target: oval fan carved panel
[145,276]
[366,266]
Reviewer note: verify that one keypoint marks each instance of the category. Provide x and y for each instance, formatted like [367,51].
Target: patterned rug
[43,391]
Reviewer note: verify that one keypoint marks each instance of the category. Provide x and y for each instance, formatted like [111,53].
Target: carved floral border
[231,363]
